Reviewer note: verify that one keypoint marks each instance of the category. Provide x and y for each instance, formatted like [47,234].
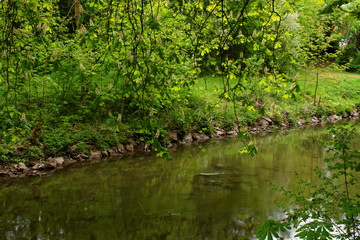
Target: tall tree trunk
[77,7]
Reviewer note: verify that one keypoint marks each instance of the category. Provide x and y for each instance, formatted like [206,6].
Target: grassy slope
[65,133]
[339,93]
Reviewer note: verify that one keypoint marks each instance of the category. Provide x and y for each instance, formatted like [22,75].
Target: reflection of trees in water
[151,227]
[198,195]
[232,180]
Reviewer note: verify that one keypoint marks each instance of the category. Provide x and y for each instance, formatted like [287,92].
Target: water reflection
[208,191]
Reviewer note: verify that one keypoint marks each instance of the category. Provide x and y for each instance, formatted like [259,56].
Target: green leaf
[269,230]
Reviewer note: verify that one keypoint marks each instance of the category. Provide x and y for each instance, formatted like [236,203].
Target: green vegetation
[60,135]
[337,94]
[330,208]
[83,75]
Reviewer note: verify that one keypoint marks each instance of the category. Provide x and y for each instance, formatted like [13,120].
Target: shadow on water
[208,191]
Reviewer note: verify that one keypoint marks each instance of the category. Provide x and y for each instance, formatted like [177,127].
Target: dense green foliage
[82,75]
[123,67]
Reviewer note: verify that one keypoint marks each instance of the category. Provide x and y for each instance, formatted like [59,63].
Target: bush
[56,142]
[34,153]
[228,125]
[8,153]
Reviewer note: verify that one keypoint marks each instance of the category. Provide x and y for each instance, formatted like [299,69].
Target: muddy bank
[265,124]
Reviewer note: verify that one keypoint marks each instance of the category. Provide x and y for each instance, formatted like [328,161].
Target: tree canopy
[134,61]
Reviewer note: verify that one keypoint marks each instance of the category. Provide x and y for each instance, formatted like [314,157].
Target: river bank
[208,190]
[263,125]
[48,135]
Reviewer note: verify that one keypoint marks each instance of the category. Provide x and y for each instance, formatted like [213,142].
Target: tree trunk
[77,8]
[316,86]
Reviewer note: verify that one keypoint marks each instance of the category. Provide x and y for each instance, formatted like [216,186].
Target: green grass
[338,93]
[55,127]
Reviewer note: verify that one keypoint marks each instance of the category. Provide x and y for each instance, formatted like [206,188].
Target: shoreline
[265,124]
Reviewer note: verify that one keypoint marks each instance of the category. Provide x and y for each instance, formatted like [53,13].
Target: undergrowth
[48,127]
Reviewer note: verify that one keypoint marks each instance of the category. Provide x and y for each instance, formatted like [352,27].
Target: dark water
[208,191]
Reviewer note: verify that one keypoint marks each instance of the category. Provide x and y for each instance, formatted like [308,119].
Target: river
[208,191]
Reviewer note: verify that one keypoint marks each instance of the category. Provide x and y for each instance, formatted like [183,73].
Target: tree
[317,51]
[131,62]
[348,15]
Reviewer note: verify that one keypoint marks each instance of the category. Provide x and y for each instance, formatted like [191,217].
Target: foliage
[347,13]
[133,66]
[330,208]
[127,64]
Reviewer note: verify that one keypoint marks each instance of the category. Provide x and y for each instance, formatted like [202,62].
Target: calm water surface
[208,191]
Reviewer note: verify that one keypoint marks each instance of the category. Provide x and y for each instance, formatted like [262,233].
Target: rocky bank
[264,124]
